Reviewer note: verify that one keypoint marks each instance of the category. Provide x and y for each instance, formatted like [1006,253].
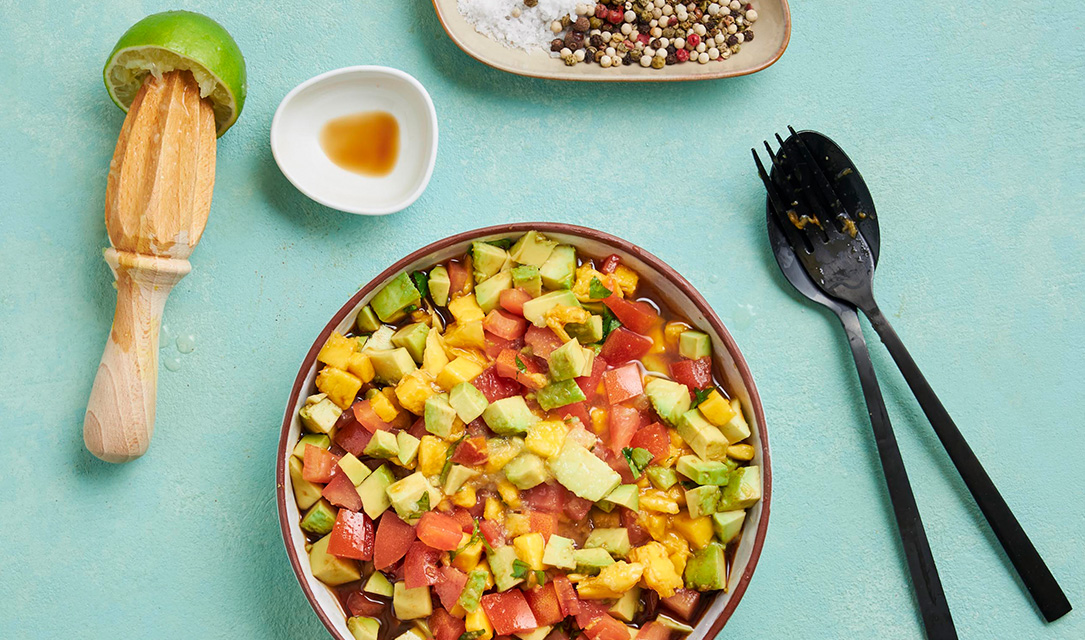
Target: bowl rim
[431,116]
[286,524]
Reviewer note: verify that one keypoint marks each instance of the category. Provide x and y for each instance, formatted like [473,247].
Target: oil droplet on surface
[186,343]
[743,316]
[365,143]
[714,278]
[165,336]
[173,363]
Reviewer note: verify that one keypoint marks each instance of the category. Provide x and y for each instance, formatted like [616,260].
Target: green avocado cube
[318,440]
[702,436]
[586,332]
[439,285]
[363,628]
[320,518]
[581,472]
[559,394]
[661,477]
[509,416]
[457,476]
[354,468]
[305,493]
[411,604]
[702,501]
[331,570]
[567,361]
[394,298]
[526,470]
[626,495]
[707,569]
[744,489]
[373,491]
[728,524]
[377,584]
[472,591]
[700,471]
[527,277]
[670,399]
[392,365]
[383,444]
[673,624]
[591,561]
[559,269]
[625,609]
[319,416]
[412,496]
[532,248]
[558,552]
[439,415]
[501,563]
[615,540]
[412,338]
[488,292]
[468,401]
[408,448]
[367,321]
[536,308]
[380,340]
[487,259]
[694,345]
[538,633]
[736,429]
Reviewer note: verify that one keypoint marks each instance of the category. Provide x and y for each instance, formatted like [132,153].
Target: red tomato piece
[623,345]
[464,518]
[568,600]
[418,429]
[352,436]
[495,387]
[577,508]
[638,316]
[548,497]
[394,538]
[360,604]
[542,340]
[543,601]
[557,633]
[515,365]
[351,536]
[695,374]
[624,423]
[617,462]
[589,384]
[590,610]
[607,628]
[504,324]
[610,264]
[318,464]
[578,410]
[493,532]
[544,523]
[653,631]
[449,586]
[638,535]
[445,626]
[623,383]
[420,565]
[471,452]
[683,603]
[654,439]
[364,413]
[439,530]
[459,276]
[341,492]
[509,613]
[512,300]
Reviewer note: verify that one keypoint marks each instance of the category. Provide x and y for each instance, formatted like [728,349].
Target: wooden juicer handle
[158,195]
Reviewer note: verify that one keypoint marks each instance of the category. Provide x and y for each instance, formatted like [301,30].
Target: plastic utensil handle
[928,586]
[1038,579]
[120,413]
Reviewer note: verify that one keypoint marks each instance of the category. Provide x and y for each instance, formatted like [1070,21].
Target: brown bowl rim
[683,285]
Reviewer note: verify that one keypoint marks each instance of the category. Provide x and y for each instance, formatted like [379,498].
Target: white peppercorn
[735,5]
[555,26]
[702,58]
[713,54]
[604,61]
[627,29]
[751,16]
[646,61]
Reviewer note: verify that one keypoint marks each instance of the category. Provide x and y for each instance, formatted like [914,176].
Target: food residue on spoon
[365,143]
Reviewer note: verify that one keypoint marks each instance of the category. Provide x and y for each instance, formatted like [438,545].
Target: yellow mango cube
[698,531]
[659,573]
[466,497]
[508,492]
[658,343]
[517,524]
[383,407]
[494,510]
[479,625]
[529,548]
[468,556]
[465,309]
[361,367]
[656,500]
[413,390]
[613,581]
[340,386]
[466,335]
[500,452]
[459,370]
[627,279]
[717,409]
[431,455]
[546,437]
[598,420]
[336,351]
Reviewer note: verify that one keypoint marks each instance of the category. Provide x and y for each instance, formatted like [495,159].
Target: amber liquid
[365,143]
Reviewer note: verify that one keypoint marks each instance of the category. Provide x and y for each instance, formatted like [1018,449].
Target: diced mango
[698,531]
[627,279]
[654,523]
[465,309]
[740,451]
[467,335]
[717,409]
[413,390]
[598,420]
[582,286]
[459,370]
[508,492]
[672,330]
[501,451]
[677,549]
[493,510]
[517,524]
[434,357]
[336,351]
[529,547]
[468,555]
[340,386]
[466,497]
[478,625]
[658,343]
[613,581]
[546,437]
[361,367]
[659,574]
[431,455]
[383,407]
[656,500]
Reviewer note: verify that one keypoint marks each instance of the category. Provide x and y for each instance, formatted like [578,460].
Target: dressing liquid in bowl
[366,143]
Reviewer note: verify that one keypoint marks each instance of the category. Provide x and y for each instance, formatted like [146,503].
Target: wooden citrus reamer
[158,195]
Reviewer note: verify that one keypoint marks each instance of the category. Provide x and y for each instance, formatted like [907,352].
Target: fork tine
[794,236]
[831,199]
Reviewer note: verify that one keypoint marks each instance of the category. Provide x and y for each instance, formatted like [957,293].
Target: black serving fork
[835,254]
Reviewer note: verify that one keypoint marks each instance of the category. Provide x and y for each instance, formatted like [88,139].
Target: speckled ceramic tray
[773,31]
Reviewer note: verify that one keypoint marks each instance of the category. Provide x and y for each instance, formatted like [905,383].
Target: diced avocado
[472,590]
[727,524]
[559,552]
[735,429]
[318,440]
[526,470]
[319,416]
[707,569]
[702,436]
[501,564]
[509,416]
[373,491]
[457,476]
[383,444]
[536,308]
[329,569]
[744,489]
[305,493]
[567,361]
[410,604]
[673,624]
[488,292]
[702,501]
[393,364]
[700,471]
[378,584]
[381,340]
[420,631]
[439,285]
[625,609]
[670,399]
[615,540]
[354,468]
[363,628]
[408,448]
[626,495]
[468,401]
[661,477]
[586,332]
[532,248]
[694,345]
[320,518]
[591,561]
[579,471]
[411,497]
[367,321]
[412,338]
[559,394]
[395,297]
[559,269]
[537,633]
[439,415]
[487,259]
[527,277]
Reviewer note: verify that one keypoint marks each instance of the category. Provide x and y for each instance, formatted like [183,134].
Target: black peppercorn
[627,59]
[557,44]
[672,59]
[748,34]
[596,41]
[732,40]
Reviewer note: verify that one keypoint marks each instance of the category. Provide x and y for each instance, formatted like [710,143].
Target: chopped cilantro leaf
[540,577]
[421,282]
[637,459]
[699,396]
[519,569]
[520,365]
[448,459]
[597,290]
[504,243]
[473,635]
[610,322]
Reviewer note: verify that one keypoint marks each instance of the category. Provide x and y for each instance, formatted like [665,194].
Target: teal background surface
[965,118]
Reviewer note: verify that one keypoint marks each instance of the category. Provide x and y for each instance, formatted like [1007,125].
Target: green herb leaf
[448,460]
[610,322]
[504,243]
[699,396]
[520,365]
[519,569]
[637,459]
[540,577]
[473,635]
[597,290]
[421,282]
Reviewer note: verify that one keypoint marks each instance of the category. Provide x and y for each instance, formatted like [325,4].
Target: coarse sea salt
[529,31]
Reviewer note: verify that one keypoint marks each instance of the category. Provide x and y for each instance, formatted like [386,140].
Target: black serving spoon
[835,252]
[933,606]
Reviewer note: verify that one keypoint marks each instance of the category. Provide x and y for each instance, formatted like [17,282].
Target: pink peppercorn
[643,38]
[615,16]
[682,55]
[601,11]
[692,40]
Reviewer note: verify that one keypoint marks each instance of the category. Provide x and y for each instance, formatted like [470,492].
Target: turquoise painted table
[966,119]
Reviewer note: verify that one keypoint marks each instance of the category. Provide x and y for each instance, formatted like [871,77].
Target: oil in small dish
[365,143]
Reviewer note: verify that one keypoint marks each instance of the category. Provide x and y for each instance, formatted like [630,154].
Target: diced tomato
[509,613]
[653,631]
[495,387]
[496,344]
[504,324]
[623,345]
[542,522]
[589,384]
[624,423]
[471,452]
[341,492]
[548,497]
[577,508]
[449,586]
[515,365]
[638,535]
[607,628]
[464,518]
[683,603]
[439,530]
[444,625]
[459,276]
[360,604]
[418,429]
[638,316]
[394,538]
[617,462]
[695,374]
[318,464]
[653,438]
[589,611]
[578,410]
[623,383]
[352,536]
[610,264]
[352,436]
[542,340]
[512,300]
[364,413]
[420,565]
[568,600]
[557,633]
[543,601]
[493,532]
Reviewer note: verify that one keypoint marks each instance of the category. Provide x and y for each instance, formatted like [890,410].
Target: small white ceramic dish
[295,138]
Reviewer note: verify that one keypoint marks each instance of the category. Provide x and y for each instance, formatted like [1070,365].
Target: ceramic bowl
[675,290]
[295,138]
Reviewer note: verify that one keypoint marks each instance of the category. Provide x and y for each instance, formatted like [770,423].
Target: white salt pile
[513,24]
